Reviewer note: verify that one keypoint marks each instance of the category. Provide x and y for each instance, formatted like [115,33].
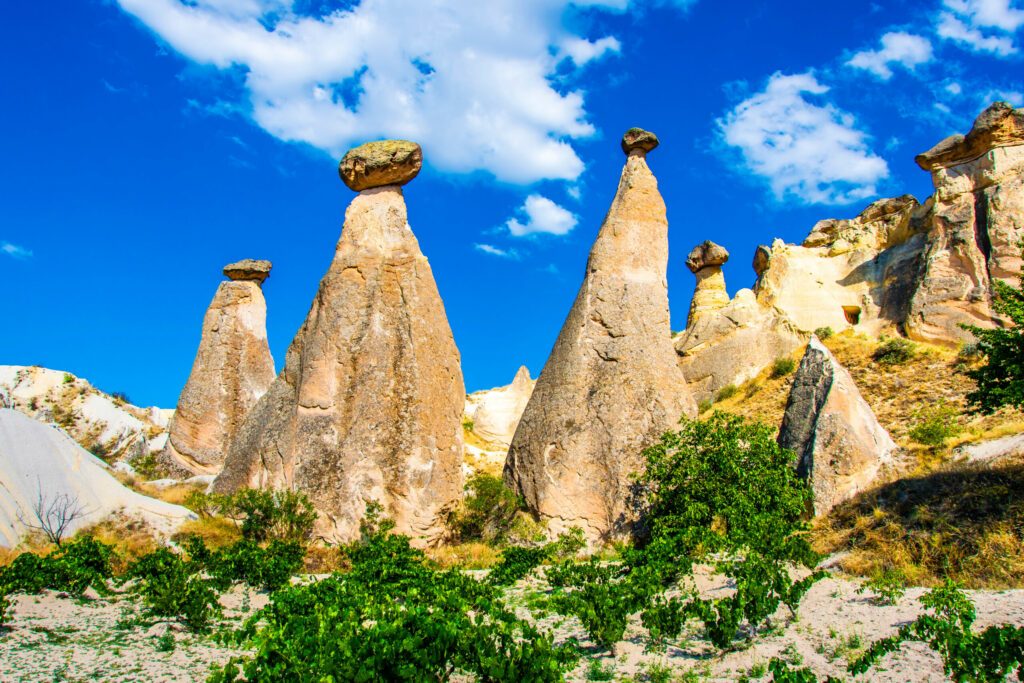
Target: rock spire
[705,262]
[611,385]
[233,368]
[369,404]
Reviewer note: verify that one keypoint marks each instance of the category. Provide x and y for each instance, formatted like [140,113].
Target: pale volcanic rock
[611,385]
[496,412]
[975,223]
[840,446]
[233,368]
[705,262]
[39,460]
[369,404]
[380,163]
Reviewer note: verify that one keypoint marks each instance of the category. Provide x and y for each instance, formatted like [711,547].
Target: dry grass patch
[965,522]
[131,539]
[471,555]
[216,532]
[174,494]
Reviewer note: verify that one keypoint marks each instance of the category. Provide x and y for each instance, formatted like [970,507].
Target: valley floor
[55,638]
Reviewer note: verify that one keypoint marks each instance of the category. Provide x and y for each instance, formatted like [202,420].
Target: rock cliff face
[232,370]
[495,412]
[898,267]
[611,385]
[370,401]
[840,444]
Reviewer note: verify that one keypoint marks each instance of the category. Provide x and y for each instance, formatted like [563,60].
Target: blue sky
[149,142]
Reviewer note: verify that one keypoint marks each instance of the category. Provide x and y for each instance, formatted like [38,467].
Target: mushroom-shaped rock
[762,257]
[998,126]
[638,140]
[248,269]
[838,441]
[380,163]
[611,385]
[706,254]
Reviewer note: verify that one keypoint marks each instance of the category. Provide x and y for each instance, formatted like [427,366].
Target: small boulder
[839,443]
[380,163]
[248,269]
[706,254]
[638,139]
[762,258]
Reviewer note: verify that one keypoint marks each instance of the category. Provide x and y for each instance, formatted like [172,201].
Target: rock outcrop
[41,461]
[370,401]
[233,368]
[106,425]
[898,267]
[382,163]
[611,385]
[705,262]
[976,221]
[840,445]
[495,413]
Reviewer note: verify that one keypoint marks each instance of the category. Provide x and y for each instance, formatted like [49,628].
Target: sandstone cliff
[369,404]
[233,368]
[495,412]
[611,385]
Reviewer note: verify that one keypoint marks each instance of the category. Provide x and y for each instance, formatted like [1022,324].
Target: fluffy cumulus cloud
[981,25]
[474,82]
[898,48]
[541,216]
[806,149]
[14,251]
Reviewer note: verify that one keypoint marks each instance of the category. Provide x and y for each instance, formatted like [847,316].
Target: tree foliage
[1000,379]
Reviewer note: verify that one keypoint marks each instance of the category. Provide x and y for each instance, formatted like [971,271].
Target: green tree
[1001,378]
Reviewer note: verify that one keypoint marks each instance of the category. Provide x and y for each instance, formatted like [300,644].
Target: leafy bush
[782,367]
[823,333]
[265,568]
[726,392]
[488,512]
[73,568]
[888,586]
[893,351]
[171,587]
[1000,379]
[280,514]
[704,406]
[934,424]
[517,562]
[392,618]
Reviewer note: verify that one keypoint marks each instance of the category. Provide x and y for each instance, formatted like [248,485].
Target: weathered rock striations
[370,401]
[840,446]
[976,220]
[233,368]
[381,163]
[496,412]
[611,385]
[705,262]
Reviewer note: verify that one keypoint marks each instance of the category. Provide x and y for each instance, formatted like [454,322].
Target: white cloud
[496,251]
[14,251]
[1014,97]
[472,81]
[812,152]
[904,49]
[981,25]
[542,216]
[954,88]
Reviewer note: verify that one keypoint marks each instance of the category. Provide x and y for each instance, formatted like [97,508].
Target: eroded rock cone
[369,404]
[840,444]
[611,385]
[495,413]
[233,368]
[710,294]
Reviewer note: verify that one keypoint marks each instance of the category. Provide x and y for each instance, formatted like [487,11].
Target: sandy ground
[53,638]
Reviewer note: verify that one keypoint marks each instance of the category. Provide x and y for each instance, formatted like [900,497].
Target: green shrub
[934,424]
[73,568]
[488,512]
[68,378]
[893,351]
[823,333]
[5,608]
[170,587]
[705,405]
[887,586]
[246,562]
[726,392]
[265,514]
[517,562]
[596,671]
[782,367]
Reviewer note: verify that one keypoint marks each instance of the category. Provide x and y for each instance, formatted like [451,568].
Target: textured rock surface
[495,412]
[705,262]
[840,445]
[976,220]
[370,401]
[639,139]
[233,368]
[36,458]
[100,423]
[248,269]
[611,385]
[376,164]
